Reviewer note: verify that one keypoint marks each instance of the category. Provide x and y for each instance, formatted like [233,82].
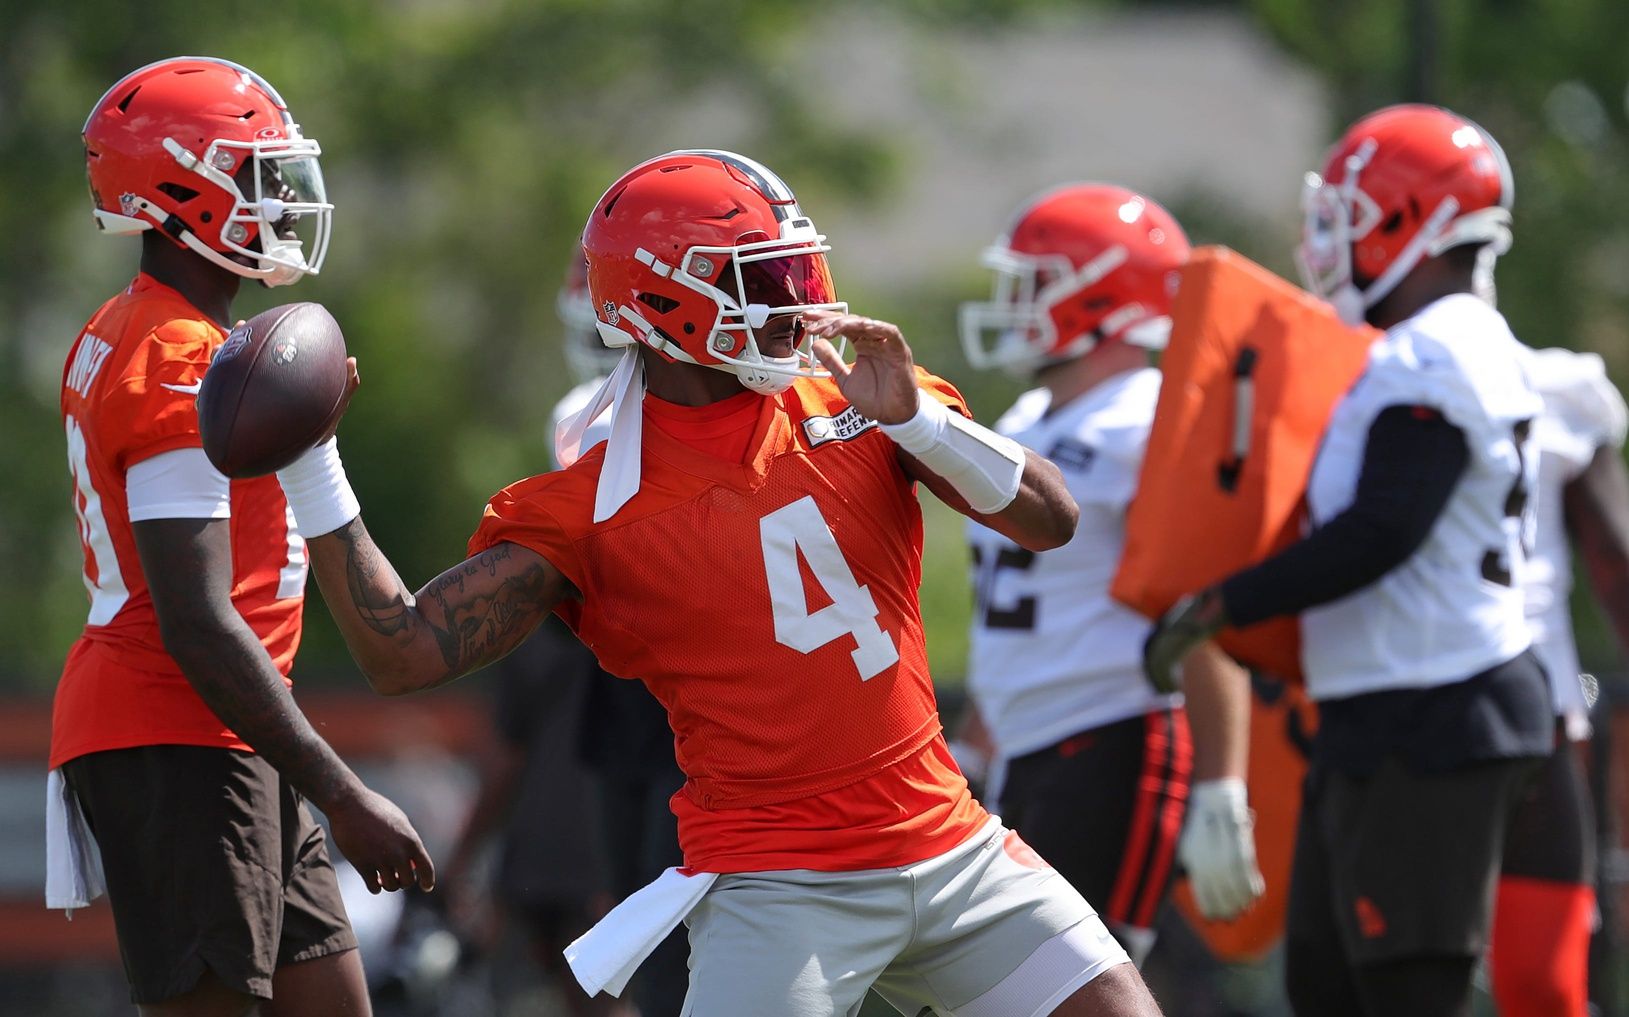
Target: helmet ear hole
[657,302]
[177,191]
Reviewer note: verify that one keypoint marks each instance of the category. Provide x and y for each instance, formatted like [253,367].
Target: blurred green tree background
[463,144]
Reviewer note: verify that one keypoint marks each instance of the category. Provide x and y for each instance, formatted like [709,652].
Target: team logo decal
[269,133]
[846,425]
[127,204]
[284,352]
[236,340]
[611,316]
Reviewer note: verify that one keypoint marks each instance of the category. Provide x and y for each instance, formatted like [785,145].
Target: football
[274,387]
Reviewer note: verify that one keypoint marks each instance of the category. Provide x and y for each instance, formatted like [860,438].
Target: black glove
[1189,622]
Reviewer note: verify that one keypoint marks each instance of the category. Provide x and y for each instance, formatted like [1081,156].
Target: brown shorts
[212,862]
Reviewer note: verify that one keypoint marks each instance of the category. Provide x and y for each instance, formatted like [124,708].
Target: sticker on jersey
[843,427]
[236,340]
[1070,454]
[284,352]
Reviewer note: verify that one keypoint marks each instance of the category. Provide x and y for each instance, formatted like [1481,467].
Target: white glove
[1218,848]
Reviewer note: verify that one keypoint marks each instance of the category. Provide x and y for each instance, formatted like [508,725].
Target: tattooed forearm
[380,597]
[467,617]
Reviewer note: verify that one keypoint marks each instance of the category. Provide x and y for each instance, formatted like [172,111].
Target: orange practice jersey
[128,394]
[771,605]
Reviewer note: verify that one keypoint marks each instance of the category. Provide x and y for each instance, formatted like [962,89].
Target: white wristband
[919,433]
[318,492]
[984,467]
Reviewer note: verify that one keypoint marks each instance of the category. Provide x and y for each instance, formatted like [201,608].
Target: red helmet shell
[195,101]
[1080,265]
[1404,183]
[666,246]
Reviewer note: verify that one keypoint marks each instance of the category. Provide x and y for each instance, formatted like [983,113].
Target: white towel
[73,865]
[606,956]
[624,394]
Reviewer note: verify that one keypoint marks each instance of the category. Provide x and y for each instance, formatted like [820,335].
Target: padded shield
[1253,371]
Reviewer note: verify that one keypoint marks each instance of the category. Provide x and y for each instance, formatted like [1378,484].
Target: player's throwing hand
[881,383]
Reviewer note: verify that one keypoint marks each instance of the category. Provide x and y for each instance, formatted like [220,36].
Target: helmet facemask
[759,290]
[287,214]
[1016,328]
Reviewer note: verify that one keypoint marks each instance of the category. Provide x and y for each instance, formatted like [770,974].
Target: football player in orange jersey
[175,741]
[748,543]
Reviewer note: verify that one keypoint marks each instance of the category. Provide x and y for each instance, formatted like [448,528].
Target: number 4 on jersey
[799,527]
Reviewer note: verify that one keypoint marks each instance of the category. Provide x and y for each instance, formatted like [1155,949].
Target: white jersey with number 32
[1454,608]
[1051,653]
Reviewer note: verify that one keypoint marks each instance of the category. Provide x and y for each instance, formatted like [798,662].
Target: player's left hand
[881,383]
[1218,849]
[1191,621]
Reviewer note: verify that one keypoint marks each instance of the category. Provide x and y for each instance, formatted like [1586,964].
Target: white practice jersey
[1051,654]
[1582,413]
[1454,608]
[573,401]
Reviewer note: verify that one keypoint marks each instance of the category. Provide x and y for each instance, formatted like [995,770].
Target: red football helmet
[586,354]
[693,253]
[1081,265]
[1403,184]
[205,150]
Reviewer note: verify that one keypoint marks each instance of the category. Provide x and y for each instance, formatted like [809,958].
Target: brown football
[273,388]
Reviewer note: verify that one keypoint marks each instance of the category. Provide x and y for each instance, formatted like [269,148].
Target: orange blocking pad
[1254,368]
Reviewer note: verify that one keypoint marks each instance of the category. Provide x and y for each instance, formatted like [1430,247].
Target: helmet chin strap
[765,382]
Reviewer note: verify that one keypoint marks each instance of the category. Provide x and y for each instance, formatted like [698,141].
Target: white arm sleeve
[180,484]
[984,467]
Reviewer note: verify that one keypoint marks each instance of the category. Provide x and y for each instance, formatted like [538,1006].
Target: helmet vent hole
[613,202]
[245,116]
[657,302]
[1392,224]
[124,104]
[177,192]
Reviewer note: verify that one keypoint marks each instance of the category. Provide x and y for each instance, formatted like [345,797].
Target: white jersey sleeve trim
[179,484]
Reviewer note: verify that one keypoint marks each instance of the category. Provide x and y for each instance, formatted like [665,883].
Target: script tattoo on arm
[483,604]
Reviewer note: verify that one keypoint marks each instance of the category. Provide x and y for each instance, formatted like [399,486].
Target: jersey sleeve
[518,514]
[155,399]
[179,484]
[943,391]
[1424,376]
[1575,387]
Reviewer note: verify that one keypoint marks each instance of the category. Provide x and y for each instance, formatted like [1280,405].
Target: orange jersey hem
[103,703]
[914,810]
